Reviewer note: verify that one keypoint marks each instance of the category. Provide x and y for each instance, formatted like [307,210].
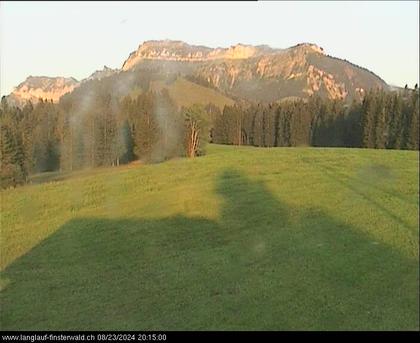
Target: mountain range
[252,73]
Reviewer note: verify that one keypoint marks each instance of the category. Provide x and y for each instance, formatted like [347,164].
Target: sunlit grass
[187,93]
[242,238]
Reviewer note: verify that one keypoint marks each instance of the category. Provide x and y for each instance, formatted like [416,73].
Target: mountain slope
[186,93]
[100,74]
[256,73]
[261,73]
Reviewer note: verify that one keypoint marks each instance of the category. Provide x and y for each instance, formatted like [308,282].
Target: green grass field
[240,239]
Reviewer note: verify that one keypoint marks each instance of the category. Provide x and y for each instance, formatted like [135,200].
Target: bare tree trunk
[193,140]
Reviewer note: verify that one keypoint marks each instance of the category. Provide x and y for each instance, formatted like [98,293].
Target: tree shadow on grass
[263,265]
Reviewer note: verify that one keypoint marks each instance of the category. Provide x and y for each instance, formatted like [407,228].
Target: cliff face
[168,50]
[50,88]
[36,87]
[257,73]
[262,73]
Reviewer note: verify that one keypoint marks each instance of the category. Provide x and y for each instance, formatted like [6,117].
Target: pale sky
[77,38]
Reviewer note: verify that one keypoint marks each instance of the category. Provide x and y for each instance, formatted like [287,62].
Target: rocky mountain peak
[100,74]
[310,47]
[169,50]
[44,87]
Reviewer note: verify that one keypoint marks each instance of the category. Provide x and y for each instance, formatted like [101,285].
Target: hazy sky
[75,38]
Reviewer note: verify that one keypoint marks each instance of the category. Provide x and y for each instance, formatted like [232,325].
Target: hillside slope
[261,73]
[186,93]
[242,238]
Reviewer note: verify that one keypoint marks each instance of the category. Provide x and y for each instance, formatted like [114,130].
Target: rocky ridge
[257,73]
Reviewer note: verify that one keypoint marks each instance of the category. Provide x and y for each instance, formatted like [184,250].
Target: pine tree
[368,120]
[413,123]
[12,166]
[146,128]
[381,121]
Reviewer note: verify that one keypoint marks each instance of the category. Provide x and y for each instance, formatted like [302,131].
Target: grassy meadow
[187,93]
[240,239]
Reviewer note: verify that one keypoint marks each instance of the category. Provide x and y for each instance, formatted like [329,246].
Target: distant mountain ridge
[262,73]
[168,50]
[50,88]
[45,87]
[255,73]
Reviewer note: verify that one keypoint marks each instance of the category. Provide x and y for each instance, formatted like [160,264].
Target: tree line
[93,127]
[383,120]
